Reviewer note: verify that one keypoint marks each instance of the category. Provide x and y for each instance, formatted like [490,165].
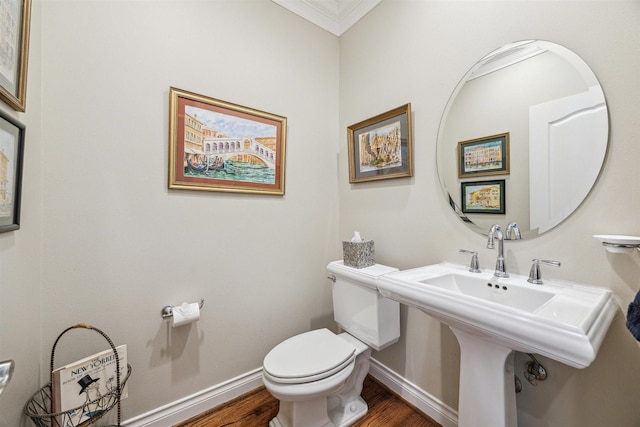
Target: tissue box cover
[358,254]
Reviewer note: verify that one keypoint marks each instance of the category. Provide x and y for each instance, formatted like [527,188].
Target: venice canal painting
[215,145]
[220,146]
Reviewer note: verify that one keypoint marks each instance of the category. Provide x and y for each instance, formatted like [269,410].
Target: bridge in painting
[244,149]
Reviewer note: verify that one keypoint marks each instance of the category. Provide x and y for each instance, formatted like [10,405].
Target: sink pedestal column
[487,394]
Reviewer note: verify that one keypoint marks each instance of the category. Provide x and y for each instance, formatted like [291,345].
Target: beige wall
[416,51]
[103,241]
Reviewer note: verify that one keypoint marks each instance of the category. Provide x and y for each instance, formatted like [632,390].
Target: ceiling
[335,16]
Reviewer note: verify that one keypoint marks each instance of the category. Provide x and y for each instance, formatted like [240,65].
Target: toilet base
[342,417]
[339,416]
[311,413]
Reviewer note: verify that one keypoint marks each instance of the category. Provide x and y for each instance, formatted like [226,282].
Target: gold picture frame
[381,147]
[14,54]
[216,145]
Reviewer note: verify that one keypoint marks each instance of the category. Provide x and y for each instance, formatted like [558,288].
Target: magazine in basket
[87,385]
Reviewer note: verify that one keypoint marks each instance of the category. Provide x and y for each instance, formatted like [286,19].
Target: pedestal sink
[493,317]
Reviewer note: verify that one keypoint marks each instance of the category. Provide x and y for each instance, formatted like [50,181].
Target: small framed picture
[215,145]
[11,158]
[381,147]
[484,156]
[14,52]
[486,197]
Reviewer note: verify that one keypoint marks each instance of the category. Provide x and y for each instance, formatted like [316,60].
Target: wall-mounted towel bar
[167,310]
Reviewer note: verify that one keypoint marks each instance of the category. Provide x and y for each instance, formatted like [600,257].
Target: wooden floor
[256,408]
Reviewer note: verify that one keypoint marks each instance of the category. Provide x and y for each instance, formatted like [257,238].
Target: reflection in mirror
[550,106]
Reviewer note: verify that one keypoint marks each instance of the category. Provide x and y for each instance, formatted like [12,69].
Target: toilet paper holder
[167,310]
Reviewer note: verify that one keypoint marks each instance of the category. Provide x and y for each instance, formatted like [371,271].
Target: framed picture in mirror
[486,197]
[11,159]
[484,156]
[381,147]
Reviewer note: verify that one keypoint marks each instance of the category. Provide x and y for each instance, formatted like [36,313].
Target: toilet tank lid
[373,271]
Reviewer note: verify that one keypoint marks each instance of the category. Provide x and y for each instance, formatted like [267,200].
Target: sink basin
[493,317]
[511,295]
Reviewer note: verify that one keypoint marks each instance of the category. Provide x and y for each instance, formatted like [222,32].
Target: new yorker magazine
[82,389]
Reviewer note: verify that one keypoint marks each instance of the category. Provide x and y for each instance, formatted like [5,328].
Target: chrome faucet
[495,232]
[512,227]
[474,267]
[534,274]
[6,371]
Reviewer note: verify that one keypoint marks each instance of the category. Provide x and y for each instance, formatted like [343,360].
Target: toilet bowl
[317,376]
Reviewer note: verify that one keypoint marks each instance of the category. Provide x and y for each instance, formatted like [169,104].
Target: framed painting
[215,145]
[484,156]
[14,51]
[381,147]
[11,160]
[486,197]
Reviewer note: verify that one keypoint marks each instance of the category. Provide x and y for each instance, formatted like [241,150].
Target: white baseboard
[423,401]
[198,403]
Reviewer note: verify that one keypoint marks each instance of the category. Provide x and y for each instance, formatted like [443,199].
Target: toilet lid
[307,357]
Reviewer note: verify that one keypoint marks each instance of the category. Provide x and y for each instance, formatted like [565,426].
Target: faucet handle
[474,267]
[514,228]
[534,275]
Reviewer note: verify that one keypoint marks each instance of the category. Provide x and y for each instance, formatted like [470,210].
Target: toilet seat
[308,357]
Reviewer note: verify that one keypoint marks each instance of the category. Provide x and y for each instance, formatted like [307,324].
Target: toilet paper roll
[186,313]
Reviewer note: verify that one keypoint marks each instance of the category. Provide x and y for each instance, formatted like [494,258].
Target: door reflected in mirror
[552,107]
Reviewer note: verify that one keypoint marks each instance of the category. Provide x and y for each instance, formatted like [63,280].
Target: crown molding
[335,16]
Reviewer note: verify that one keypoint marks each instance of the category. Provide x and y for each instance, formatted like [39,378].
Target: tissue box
[358,254]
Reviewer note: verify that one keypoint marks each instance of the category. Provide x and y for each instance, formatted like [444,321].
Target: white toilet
[318,375]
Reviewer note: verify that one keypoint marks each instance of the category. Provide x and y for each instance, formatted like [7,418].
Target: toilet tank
[360,309]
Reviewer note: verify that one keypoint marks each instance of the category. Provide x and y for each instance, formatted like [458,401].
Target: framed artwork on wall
[487,197]
[215,145]
[484,156]
[14,51]
[11,162]
[381,147]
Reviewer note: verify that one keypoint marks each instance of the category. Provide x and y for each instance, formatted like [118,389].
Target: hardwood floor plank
[256,408]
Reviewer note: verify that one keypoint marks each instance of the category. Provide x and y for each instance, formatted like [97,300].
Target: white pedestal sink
[493,317]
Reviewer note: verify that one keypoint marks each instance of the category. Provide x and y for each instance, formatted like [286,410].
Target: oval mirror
[522,138]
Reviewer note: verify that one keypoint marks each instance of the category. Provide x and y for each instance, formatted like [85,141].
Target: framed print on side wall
[484,156]
[15,20]
[215,145]
[485,197]
[381,147]
[11,160]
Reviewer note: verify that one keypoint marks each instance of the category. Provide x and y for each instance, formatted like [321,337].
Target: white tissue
[186,313]
[356,237]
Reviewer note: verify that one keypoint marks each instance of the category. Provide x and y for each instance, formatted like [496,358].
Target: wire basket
[40,406]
